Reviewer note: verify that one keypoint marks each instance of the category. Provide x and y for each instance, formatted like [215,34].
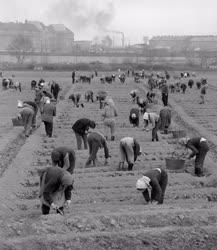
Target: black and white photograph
[108,125]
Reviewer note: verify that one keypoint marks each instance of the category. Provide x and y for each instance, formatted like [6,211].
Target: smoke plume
[82,16]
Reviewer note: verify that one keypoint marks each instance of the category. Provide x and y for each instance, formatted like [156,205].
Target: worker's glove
[54,206]
[68,202]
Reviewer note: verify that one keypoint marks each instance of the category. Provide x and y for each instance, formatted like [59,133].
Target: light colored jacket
[109,112]
[153,118]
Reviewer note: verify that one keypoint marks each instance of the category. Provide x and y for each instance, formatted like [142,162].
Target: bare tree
[20,46]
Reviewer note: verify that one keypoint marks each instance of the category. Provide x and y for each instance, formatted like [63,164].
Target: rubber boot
[130,167]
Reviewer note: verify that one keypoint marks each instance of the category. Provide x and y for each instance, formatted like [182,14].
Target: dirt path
[107,212]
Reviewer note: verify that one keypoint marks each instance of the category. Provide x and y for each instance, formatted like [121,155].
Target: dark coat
[48,112]
[32,104]
[158,184]
[58,157]
[165,116]
[54,180]
[99,140]
[196,146]
[81,126]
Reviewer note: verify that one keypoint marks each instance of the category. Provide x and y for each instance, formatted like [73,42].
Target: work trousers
[79,139]
[165,99]
[48,128]
[126,153]
[155,129]
[109,125]
[200,157]
[28,121]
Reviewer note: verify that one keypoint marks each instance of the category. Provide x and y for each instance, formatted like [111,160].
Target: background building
[52,38]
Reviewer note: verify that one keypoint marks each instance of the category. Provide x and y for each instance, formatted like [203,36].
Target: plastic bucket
[178,133]
[174,164]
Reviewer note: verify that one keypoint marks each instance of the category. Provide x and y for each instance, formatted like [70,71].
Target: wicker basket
[174,164]
[178,133]
[17,122]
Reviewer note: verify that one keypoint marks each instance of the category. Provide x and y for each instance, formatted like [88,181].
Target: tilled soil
[106,211]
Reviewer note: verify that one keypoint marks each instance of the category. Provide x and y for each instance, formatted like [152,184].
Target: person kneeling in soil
[155,120]
[165,116]
[129,150]
[134,117]
[56,185]
[153,185]
[199,148]
[48,112]
[64,157]
[96,141]
[81,128]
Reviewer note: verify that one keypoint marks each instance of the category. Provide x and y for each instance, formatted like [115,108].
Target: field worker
[183,87]
[73,77]
[80,129]
[164,93]
[134,117]
[17,85]
[155,121]
[35,108]
[56,185]
[96,141]
[134,93]
[55,89]
[75,97]
[153,185]
[48,112]
[203,93]
[109,115]
[101,96]
[190,83]
[150,96]
[38,97]
[198,84]
[199,148]
[89,96]
[165,117]
[81,101]
[26,114]
[64,157]
[129,151]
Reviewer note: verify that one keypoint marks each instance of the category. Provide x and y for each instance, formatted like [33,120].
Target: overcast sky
[136,18]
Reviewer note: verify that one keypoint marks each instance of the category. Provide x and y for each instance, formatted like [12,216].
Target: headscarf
[143,183]
[145,116]
[47,101]
[183,141]
[19,104]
